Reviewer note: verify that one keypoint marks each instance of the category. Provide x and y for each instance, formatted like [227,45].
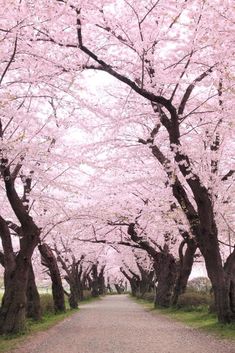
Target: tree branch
[10,61]
[190,89]
[227,175]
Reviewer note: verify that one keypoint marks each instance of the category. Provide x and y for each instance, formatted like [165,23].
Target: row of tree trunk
[170,276]
[21,298]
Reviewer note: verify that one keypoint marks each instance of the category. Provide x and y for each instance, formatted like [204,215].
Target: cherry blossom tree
[166,120]
[176,65]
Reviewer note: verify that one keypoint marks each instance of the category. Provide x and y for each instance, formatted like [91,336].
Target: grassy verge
[9,342]
[199,319]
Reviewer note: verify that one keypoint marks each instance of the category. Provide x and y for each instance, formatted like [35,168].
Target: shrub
[192,300]
[47,304]
[200,284]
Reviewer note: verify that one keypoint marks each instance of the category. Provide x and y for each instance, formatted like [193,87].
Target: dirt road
[116,324]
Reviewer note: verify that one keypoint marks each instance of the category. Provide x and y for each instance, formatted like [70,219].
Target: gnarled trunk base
[13,310]
[165,268]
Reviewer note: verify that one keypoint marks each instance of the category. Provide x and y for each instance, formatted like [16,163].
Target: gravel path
[116,324]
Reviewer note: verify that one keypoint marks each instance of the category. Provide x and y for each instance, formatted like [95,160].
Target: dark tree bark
[85,279]
[119,287]
[134,281]
[80,283]
[74,293]
[229,268]
[165,268]
[95,281]
[184,267]
[101,281]
[33,298]
[209,246]
[109,288]
[33,309]
[48,260]
[146,281]
[89,282]
[13,310]
[73,277]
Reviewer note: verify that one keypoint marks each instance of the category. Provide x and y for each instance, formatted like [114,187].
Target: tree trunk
[144,287]
[229,268]
[101,282]
[74,290]
[209,246]
[74,296]
[33,298]
[49,261]
[109,288]
[135,288]
[118,288]
[146,281]
[134,281]
[232,296]
[80,284]
[13,310]
[95,282]
[80,294]
[86,280]
[202,221]
[165,268]
[206,232]
[184,268]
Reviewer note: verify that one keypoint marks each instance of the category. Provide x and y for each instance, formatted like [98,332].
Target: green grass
[9,342]
[202,320]
[199,319]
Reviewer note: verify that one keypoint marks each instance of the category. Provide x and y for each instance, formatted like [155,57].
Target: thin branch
[149,11]
[55,225]
[182,75]
[194,111]
[190,89]
[227,224]
[101,241]
[10,61]
[229,245]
